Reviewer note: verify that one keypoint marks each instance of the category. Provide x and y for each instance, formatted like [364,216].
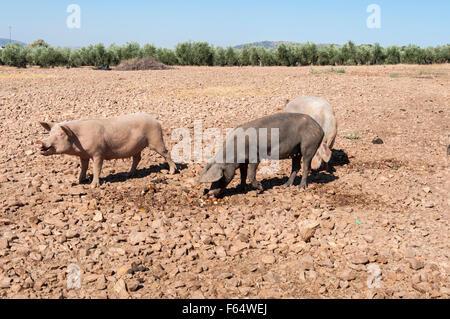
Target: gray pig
[299,135]
[105,139]
[321,111]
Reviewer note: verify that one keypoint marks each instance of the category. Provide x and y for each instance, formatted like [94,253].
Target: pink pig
[105,139]
[321,111]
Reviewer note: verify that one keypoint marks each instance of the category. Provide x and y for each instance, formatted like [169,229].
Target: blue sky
[231,22]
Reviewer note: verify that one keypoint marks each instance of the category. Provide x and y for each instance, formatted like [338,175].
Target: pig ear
[66,130]
[211,173]
[47,126]
[325,152]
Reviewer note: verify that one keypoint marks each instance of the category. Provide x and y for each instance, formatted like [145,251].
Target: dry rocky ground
[382,217]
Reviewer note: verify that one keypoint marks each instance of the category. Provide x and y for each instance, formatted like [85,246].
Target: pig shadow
[140,173]
[269,183]
[338,158]
[321,176]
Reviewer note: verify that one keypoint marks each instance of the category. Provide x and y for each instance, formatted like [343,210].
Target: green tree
[411,54]
[254,57]
[308,53]
[244,56]
[39,43]
[363,54]
[183,52]
[148,50]
[166,56]
[283,55]
[231,57]
[393,55]
[378,54]
[14,55]
[443,54]
[219,57]
[348,53]
[130,51]
[202,54]
[115,54]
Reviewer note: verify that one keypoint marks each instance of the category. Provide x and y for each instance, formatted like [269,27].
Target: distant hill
[274,44]
[4,41]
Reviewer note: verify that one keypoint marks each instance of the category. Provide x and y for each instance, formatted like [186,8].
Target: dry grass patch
[223,91]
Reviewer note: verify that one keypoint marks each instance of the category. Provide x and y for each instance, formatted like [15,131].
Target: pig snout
[43,148]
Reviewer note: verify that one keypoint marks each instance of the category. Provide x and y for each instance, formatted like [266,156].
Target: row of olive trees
[201,53]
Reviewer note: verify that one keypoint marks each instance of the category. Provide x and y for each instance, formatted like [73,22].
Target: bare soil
[377,227]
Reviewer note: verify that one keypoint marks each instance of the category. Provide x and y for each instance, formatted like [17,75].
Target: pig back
[320,110]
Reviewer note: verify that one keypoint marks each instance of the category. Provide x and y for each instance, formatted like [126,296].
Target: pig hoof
[83,180]
[258,186]
[95,184]
[172,171]
[242,188]
[286,185]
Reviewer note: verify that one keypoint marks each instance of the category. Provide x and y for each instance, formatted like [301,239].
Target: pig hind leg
[84,168]
[136,160]
[160,148]
[252,176]
[307,158]
[295,169]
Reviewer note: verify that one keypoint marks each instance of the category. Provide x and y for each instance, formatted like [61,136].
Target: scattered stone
[197,295]
[268,259]
[72,234]
[368,238]
[377,141]
[422,287]
[98,217]
[306,262]
[5,282]
[416,264]
[4,244]
[347,275]
[36,256]
[121,289]
[133,285]
[307,229]
[179,284]
[445,291]
[220,251]
[360,260]
[123,270]
[137,237]
[100,283]
[429,205]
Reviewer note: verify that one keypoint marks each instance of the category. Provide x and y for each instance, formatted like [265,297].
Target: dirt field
[378,227]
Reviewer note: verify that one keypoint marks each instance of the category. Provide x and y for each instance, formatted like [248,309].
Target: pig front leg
[84,168]
[243,169]
[98,163]
[252,176]
[136,160]
[305,171]
[295,169]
